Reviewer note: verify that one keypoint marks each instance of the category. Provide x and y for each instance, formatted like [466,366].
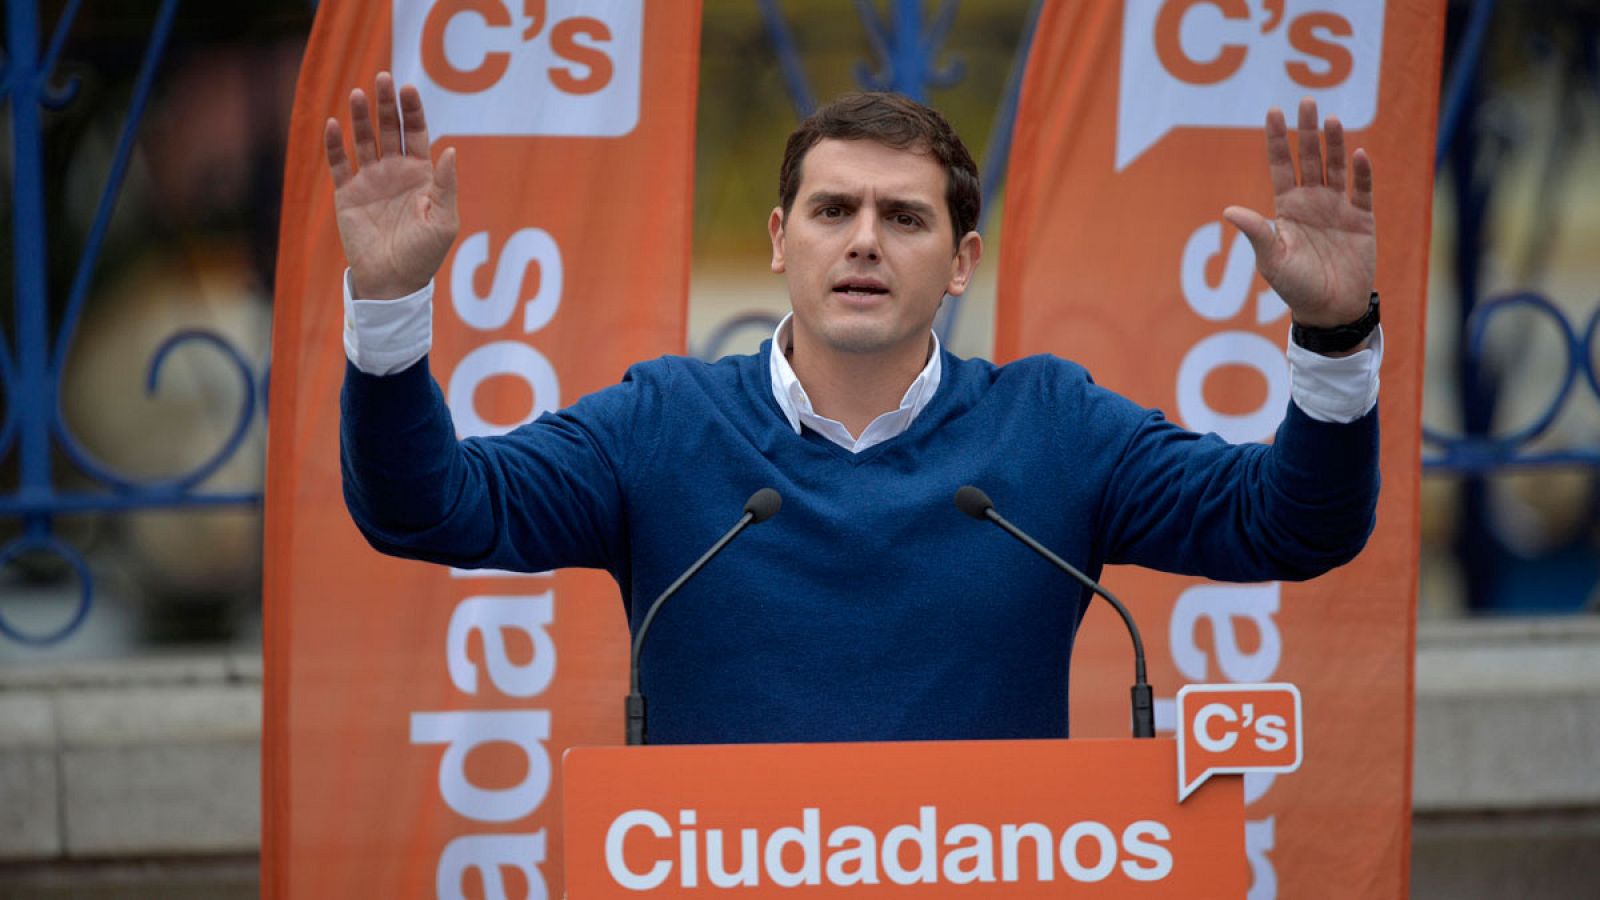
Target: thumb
[1256,229]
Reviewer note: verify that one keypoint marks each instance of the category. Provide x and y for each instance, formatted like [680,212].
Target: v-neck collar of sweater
[929,411]
[795,402]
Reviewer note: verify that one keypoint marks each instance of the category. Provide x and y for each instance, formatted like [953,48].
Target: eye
[830,212]
[907,220]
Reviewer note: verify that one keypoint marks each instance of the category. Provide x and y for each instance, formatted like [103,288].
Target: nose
[864,239]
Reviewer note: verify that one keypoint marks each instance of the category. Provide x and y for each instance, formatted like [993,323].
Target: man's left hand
[1320,253]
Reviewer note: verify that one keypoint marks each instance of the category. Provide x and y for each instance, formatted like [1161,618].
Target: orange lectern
[928,819]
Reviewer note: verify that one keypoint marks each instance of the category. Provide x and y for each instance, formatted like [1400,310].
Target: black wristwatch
[1340,338]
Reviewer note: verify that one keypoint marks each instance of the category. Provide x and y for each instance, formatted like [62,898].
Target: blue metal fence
[33,361]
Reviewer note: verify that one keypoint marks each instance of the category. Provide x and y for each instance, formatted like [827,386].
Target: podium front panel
[928,819]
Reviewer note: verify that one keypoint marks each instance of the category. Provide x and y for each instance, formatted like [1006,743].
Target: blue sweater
[869,608]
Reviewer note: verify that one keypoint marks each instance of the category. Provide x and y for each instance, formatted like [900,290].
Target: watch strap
[1339,338]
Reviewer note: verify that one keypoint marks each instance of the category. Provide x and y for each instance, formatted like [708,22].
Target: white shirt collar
[797,409]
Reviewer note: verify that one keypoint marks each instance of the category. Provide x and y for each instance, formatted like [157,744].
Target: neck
[855,388]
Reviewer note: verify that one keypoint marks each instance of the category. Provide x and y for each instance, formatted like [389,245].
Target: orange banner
[1140,121]
[415,716]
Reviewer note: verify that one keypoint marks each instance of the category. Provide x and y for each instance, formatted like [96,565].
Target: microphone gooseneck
[761,506]
[977,504]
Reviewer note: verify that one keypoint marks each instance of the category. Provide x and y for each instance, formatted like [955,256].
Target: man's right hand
[397,212]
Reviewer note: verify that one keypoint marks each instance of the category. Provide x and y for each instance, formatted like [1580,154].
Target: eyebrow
[837,198]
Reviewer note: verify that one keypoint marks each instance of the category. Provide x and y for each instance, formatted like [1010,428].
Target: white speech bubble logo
[1221,719]
[556,68]
[1221,63]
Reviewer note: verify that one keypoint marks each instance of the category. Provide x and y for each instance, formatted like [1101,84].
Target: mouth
[860,287]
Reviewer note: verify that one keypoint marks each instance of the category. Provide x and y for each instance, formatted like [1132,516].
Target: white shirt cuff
[1336,389]
[382,337]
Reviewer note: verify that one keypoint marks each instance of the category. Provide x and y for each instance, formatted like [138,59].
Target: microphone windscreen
[973,502]
[763,505]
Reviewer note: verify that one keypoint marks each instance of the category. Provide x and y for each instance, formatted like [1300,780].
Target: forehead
[868,167]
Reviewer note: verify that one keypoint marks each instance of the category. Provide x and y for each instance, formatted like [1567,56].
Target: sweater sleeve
[1197,505]
[549,494]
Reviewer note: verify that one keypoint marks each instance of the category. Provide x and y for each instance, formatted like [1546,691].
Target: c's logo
[1221,63]
[1318,38]
[1236,728]
[593,65]
[538,67]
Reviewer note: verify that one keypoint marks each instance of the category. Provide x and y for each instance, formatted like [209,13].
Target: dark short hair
[896,121]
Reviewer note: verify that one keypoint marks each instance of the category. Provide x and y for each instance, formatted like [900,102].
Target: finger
[1257,229]
[444,183]
[1333,130]
[338,162]
[388,116]
[1361,164]
[361,128]
[414,122]
[1280,165]
[1310,145]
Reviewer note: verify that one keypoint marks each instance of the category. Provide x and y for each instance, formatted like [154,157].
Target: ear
[775,231]
[964,263]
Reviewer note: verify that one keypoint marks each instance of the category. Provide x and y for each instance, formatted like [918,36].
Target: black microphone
[977,504]
[761,506]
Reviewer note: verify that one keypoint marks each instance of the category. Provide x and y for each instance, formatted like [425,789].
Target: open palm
[396,210]
[1320,253]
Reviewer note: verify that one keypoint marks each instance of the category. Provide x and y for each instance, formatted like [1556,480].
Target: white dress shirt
[382,337]
[796,404]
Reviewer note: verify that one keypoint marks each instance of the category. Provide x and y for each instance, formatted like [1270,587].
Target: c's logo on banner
[1236,728]
[1305,35]
[522,67]
[1221,63]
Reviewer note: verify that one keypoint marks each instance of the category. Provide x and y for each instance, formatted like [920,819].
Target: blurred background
[130,623]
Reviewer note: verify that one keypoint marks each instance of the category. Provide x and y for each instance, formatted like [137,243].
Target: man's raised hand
[1320,253]
[396,210]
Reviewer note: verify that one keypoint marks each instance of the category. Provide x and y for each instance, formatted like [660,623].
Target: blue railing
[1476,137]
[32,363]
[908,56]
[1477,452]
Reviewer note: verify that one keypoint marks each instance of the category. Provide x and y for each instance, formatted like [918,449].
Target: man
[870,608]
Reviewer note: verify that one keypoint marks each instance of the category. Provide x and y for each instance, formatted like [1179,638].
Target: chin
[859,339]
